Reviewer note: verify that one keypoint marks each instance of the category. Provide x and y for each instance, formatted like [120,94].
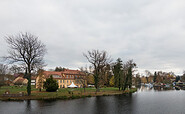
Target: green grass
[14,89]
[62,93]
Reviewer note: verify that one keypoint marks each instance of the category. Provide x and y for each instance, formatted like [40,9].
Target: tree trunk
[29,85]
[96,82]
[126,81]
[119,83]
[29,81]
[130,77]
[84,86]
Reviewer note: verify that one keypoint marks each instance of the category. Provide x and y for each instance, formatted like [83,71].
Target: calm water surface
[145,101]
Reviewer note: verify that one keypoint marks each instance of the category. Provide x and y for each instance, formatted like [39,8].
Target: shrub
[50,84]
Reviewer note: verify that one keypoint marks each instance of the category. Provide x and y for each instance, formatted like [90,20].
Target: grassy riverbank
[63,93]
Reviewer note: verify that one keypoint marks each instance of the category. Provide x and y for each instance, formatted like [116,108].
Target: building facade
[64,78]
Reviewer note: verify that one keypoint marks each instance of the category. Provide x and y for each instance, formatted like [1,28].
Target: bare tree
[3,72]
[98,59]
[148,73]
[106,75]
[15,69]
[27,50]
[83,80]
[3,69]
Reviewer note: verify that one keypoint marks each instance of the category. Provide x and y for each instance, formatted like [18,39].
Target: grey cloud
[150,32]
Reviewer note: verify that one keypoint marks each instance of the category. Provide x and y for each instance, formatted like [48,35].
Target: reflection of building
[64,78]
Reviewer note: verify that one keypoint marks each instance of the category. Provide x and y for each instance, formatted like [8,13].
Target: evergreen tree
[118,73]
[58,69]
[155,76]
[177,78]
[128,70]
[50,84]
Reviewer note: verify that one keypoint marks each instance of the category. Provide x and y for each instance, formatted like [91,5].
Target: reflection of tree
[28,105]
[50,102]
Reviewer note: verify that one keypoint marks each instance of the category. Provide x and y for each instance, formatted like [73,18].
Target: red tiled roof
[49,73]
[65,72]
[20,80]
[77,72]
[19,75]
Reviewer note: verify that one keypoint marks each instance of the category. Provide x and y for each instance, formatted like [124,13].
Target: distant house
[64,78]
[6,79]
[150,79]
[20,81]
[143,80]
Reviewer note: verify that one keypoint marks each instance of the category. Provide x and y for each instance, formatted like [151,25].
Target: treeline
[14,69]
[161,77]
[105,72]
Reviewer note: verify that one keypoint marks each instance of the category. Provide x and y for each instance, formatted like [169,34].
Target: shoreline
[69,96]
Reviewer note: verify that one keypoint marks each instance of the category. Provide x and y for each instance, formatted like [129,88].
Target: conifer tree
[118,73]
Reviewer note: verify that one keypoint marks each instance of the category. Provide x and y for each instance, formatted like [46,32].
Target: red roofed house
[20,80]
[65,78]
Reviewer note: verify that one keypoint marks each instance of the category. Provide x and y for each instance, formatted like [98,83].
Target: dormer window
[56,76]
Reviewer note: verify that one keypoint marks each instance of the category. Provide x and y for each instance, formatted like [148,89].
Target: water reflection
[163,88]
[28,105]
[159,88]
[146,100]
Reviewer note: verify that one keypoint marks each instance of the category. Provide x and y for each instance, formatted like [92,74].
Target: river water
[144,101]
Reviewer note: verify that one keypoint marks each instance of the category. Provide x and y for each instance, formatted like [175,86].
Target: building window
[67,76]
[67,81]
[31,80]
[63,81]
[60,81]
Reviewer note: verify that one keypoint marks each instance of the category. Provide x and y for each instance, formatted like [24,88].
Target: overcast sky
[151,32]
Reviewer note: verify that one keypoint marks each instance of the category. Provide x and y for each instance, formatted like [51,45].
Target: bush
[50,84]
